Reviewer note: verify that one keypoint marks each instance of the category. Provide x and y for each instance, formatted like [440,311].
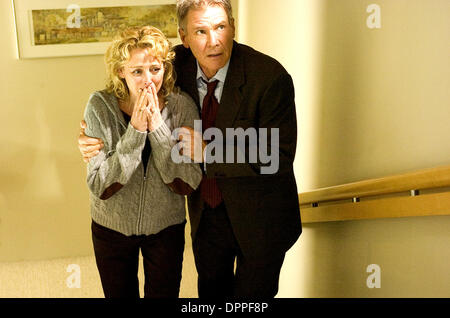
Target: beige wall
[44,210]
[370,102]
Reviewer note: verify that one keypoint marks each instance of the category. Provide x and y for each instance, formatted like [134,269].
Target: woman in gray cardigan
[136,189]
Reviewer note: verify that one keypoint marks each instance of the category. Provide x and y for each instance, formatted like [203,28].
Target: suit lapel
[231,94]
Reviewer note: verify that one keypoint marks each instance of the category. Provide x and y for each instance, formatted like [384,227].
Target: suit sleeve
[274,151]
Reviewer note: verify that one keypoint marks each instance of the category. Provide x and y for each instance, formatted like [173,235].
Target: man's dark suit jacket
[263,209]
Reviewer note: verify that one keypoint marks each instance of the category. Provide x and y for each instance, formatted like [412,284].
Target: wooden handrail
[418,180]
[329,204]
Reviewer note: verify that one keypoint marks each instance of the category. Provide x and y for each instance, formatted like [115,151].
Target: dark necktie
[208,187]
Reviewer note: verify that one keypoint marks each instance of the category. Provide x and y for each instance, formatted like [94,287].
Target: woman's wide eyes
[152,70]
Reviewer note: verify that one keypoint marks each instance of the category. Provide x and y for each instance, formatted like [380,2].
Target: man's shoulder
[179,47]
[256,60]
[181,53]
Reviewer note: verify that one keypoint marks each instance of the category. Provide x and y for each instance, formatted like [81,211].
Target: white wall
[370,103]
[44,204]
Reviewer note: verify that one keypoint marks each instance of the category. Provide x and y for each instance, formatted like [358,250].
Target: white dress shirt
[203,88]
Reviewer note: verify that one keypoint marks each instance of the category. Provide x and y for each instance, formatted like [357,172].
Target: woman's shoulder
[101,105]
[103,97]
[101,100]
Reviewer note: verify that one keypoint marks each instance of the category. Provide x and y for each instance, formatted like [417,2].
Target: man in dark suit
[238,213]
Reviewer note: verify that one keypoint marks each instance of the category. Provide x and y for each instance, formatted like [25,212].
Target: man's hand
[89,147]
[192,144]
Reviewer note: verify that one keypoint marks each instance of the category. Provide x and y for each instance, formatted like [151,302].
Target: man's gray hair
[183,7]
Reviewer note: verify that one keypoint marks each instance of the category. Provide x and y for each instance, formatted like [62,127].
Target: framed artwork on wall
[52,28]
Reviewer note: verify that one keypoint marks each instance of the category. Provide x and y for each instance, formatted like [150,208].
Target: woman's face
[141,70]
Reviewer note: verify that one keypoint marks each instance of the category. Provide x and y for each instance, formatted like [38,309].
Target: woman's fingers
[140,102]
[155,95]
[139,118]
[150,101]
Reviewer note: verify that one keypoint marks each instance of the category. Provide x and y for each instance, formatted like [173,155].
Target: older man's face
[210,36]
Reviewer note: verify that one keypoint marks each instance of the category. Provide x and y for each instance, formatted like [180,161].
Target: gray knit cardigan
[145,204]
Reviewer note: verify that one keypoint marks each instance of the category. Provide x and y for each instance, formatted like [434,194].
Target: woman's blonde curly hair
[118,55]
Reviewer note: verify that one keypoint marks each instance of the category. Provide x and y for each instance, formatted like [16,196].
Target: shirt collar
[220,75]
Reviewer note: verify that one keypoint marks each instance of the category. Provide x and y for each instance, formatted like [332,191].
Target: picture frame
[58,28]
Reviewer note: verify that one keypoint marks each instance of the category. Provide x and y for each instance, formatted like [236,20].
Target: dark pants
[216,250]
[117,258]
